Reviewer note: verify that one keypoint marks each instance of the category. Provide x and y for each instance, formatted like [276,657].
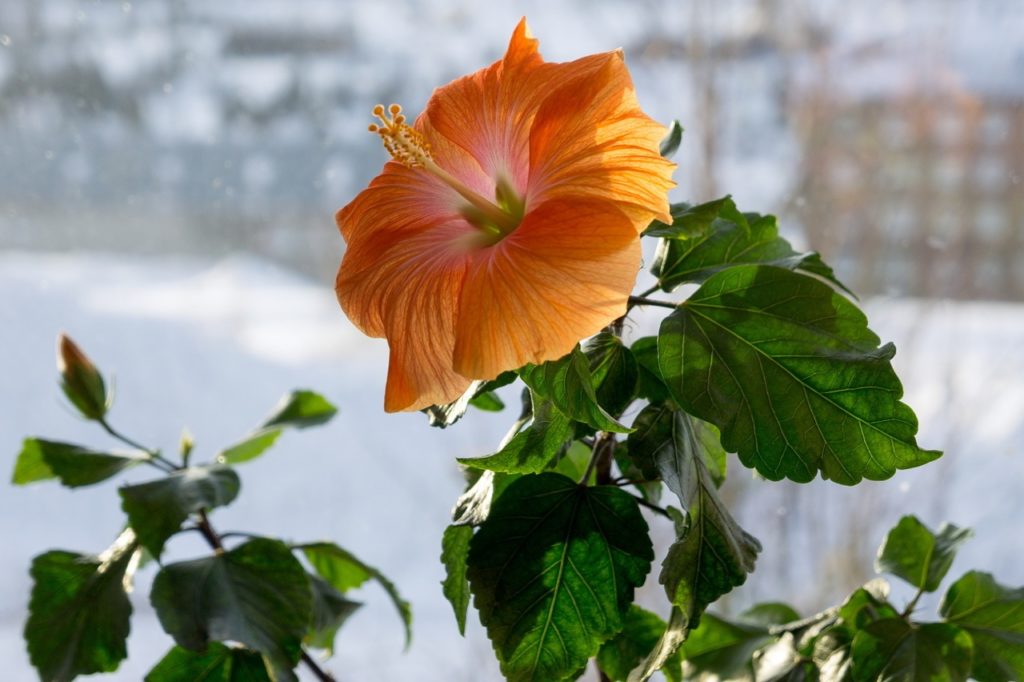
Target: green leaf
[219,663]
[78,613]
[723,649]
[454,553]
[74,465]
[256,594]
[480,395]
[534,448]
[301,409]
[639,636]
[666,649]
[670,144]
[712,554]
[488,401]
[650,385]
[698,251]
[790,373]
[330,611]
[157,509]
[553,570]
[344,571]
[568,383]
[892,649]
[614,371]
[691,222]
[994,617]
[913,552]
[249,447]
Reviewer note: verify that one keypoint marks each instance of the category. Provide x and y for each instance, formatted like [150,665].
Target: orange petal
[563,275]
[591,139]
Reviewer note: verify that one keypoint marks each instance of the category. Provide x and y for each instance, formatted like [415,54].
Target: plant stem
[214,540]
[155,457]
[913,602]
[650,505]
[647,292]
[641,300]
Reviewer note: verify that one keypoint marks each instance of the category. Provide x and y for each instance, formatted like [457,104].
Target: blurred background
[170,170]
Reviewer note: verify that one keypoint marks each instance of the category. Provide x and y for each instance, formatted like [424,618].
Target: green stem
[155,457]
[647,292]
[650,505]
[641,300]
[913,602]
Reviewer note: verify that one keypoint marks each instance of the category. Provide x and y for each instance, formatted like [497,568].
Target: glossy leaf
[219,663]
[994,617]
[78,613]
[919,556]
[330,611]
[750,239]
[614,371]
[256,594]
[534,448]
[344,571]
[690,222]
[568,383]
[790,373]
[73,465]
[639,636]
[892,649]
[454,554]
[553,570]
[157,509]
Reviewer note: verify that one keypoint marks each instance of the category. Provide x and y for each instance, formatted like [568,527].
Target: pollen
[405,144]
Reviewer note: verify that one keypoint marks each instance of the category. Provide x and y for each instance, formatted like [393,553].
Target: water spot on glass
[5,40]
[168,88]
[905,487]
[801,201]
[217,183]
[126,7]
[49,155]
[937,243]
[780,511]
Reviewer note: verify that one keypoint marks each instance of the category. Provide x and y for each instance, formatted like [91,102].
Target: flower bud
[81,381]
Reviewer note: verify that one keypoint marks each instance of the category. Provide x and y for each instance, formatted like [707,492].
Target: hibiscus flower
[506,226]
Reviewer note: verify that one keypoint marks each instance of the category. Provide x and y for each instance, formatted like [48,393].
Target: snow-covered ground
[212,345]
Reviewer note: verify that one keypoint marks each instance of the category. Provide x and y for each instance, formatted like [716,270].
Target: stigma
[409,147]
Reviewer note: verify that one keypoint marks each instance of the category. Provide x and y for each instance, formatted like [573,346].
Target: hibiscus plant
[501,245]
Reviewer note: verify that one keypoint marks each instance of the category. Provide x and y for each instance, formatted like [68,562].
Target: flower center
[408,146]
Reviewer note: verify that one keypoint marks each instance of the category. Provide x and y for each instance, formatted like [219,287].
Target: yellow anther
[406,145]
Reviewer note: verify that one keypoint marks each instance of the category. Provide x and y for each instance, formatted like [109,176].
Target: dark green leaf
[790,373]
[649,489]
[650,386]
[614,371]
[74,465]
[568,384]
[691,222]
[994,617]
[534,448]
[639,636]
[480,395]
[330,611]
[256,594]
[488,401]
[301,409]
[722,649]
[913,552]
[344,571]
[670,144]
[78,613]
[251,447]
[219,663]
[893,650]
[712,554]
[660,428]
[553,570]
[157,509]
[454,552]
[666,649]
[750,240]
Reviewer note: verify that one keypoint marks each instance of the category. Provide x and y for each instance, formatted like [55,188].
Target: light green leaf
[301,409]
[488,401]
[330,611]
[454,553]
[892,650]
[639,636]
[714,236]
[993,615]
[534,448]
[219,663]
[614,372]
[670,144]
[74,465]
[250,447]
[790,373]
[344,571]
[157,509]
[256,594]
[568,383]
[666,649]
[553,570]
[78,613]
[913,552]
